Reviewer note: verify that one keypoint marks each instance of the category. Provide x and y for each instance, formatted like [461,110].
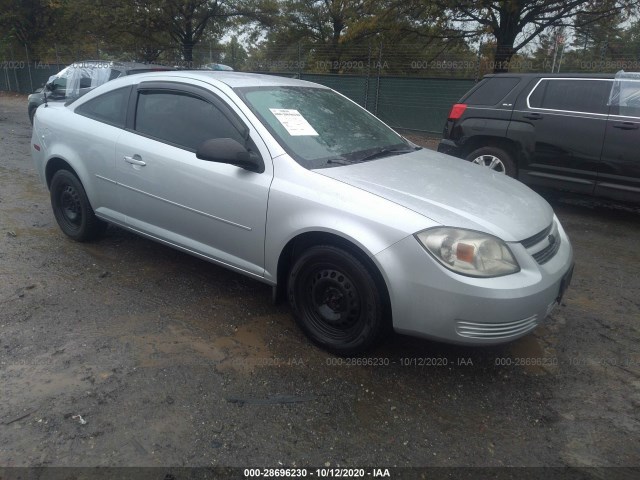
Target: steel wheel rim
[490,161]
[71,207]
[332,303]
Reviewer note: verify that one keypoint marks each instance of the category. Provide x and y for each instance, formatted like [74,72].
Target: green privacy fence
[23,77]
[409,103]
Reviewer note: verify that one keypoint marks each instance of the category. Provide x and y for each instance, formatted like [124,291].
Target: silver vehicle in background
[76,79]
[295,185]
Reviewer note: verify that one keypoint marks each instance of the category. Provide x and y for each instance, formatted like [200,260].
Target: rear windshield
[491,91]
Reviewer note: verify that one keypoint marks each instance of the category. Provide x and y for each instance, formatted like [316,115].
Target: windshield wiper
[339,161]
[381,152]
[385,152]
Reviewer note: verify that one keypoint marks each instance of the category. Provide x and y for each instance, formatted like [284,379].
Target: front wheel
[72,209]
[495,159]
[336,301]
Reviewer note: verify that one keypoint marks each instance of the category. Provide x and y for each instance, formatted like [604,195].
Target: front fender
[301,201]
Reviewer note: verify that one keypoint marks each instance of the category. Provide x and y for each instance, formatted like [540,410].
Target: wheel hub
[490,161]
[71,207]
[334,298]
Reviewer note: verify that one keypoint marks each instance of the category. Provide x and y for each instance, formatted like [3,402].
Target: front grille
[537,238]
[547,253]
[543,253]
[496,330]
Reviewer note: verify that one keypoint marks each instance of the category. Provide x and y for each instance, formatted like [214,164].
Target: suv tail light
[457,110]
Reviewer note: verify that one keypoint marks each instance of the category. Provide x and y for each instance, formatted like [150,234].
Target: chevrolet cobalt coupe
[295,185]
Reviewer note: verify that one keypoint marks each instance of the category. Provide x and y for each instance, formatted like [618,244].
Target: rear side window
[627,100]
[491,90]
[110,107]
[588,96]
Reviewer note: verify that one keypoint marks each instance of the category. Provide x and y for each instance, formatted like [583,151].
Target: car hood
[451,192]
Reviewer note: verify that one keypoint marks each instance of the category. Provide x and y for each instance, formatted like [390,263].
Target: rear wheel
[336,301]
[72,209]
[495,159]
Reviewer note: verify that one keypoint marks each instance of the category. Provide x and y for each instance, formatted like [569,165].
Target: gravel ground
[123,352]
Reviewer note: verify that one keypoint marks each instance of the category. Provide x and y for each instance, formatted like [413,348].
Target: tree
[321,23]
[595,37]
[187,21]
[234,54]
[27,21]
[515,23]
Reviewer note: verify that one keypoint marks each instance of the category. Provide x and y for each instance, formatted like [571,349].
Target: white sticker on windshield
[293,121]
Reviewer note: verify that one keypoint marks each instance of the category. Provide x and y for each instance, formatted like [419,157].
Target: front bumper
[430,301]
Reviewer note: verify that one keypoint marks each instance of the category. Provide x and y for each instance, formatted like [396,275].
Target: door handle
[533,116]
[626,125]
[135,160]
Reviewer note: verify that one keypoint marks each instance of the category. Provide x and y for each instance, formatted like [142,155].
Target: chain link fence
[409,86]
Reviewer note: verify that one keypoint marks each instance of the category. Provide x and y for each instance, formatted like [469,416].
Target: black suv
[579,133]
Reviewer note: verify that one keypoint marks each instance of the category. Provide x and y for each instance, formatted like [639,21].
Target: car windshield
[76,79]
[320,128]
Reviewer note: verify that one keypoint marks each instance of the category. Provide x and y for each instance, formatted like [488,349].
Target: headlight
[470,253]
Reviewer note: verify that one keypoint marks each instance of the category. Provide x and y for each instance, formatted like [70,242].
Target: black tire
[336,301]
[72,209]
[484,157]
[32,113]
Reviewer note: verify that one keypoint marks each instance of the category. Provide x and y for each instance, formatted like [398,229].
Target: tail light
[457,110]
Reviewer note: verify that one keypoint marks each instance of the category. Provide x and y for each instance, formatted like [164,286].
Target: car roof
[119,65]
[236,79]
[552,75]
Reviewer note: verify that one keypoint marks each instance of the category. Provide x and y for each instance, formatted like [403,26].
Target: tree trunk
[508,29]
[187,52]
[502,58]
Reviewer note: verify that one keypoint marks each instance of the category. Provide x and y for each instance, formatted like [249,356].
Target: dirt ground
[123,352]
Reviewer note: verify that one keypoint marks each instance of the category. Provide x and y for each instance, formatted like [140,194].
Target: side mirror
[227,150]
[50,85]
[54,88]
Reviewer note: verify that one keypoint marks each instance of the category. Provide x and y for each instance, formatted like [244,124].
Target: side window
[110,107]
[628,98]
[589,96]
[492,90]
[181,119]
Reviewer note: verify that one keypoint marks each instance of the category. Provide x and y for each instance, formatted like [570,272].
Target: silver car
[293,184]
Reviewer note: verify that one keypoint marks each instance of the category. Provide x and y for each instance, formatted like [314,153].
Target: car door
[212,209]
[619,173]
[562,123]
[98,133]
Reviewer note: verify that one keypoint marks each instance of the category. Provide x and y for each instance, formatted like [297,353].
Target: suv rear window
[588,96]
[491,90]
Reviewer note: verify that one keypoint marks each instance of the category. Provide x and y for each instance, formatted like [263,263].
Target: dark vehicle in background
[578,133]
[217,67]
[78,78]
